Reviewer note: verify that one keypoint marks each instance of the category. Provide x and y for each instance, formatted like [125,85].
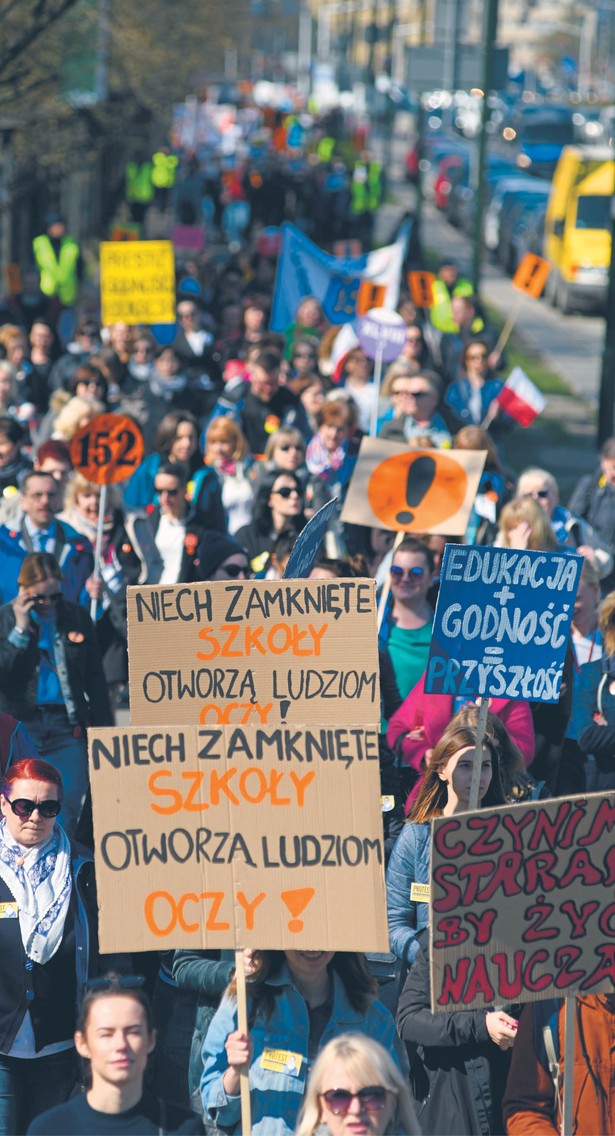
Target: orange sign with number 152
[107,449]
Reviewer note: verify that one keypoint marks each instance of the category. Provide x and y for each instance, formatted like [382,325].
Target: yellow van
[577,241]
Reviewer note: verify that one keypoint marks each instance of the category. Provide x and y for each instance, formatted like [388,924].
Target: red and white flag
[520,398]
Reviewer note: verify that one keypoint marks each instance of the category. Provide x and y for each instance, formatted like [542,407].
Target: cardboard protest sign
[426,491]
[421,285]
[137,282]
[238,836]
[523,903]
[502,622]
[531,275]
[305,549]
[254,653]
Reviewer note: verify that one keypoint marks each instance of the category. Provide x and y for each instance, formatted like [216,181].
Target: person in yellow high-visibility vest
[366,192]
[58,261]
[448,283]
[139,188]
[164,172]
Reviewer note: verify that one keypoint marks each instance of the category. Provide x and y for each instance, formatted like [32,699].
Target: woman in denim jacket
[444,791]
[297,1002]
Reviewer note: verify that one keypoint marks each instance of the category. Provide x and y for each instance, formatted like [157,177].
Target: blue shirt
[49,689]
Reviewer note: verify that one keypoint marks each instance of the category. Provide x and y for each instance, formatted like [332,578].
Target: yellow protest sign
[137,282]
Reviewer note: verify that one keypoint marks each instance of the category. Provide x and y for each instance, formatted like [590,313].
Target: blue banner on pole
[502,623]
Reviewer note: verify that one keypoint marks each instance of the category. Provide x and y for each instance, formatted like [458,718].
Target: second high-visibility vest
[58,274]
[164,169]
[139,182]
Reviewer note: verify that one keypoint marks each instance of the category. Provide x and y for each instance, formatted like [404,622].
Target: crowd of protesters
[247,433]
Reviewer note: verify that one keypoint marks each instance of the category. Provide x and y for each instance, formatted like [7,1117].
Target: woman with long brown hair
[445,791]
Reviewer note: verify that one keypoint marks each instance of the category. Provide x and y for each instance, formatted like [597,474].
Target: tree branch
[42,18]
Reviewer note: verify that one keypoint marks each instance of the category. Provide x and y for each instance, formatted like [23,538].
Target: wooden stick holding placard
[570,1014]
[102,508]
[478,753]
[373,427]
[242,1026]
[386,587]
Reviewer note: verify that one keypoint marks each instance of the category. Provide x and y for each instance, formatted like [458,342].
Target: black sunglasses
[287,491]
[235,570]
[290,446]
[169,492]
[22,807]
[116,982]
[53,598]
[372,1099]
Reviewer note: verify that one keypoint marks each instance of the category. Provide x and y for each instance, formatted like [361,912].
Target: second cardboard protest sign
[522,903]
[252,654]
[227,837]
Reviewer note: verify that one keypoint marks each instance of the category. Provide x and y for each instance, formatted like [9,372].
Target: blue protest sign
[307,544]
[502,623]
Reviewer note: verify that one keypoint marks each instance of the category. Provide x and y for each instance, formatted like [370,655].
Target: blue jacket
[277,1097]
[76,559]
[409,864]
[458,397]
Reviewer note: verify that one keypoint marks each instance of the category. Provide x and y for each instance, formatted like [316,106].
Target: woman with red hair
[48,943]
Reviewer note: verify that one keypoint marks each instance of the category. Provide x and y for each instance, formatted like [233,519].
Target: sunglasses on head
[398,573]
[22,807]
[287,491]
[116,982]
[372,1099]
[235,570]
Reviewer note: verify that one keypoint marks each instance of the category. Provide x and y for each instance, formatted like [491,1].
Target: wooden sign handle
[242,1026]
[483,711]
[570,1012]
[386,587]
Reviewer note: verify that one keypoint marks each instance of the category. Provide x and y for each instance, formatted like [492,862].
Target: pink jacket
[434,711]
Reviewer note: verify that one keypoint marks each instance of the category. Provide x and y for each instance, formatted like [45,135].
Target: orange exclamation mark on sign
[296,902]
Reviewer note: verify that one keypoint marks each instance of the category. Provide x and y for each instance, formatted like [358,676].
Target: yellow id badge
[419,893]
[282,1061]
[8,911]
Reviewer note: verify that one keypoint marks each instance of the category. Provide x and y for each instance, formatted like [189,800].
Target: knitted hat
[215,549]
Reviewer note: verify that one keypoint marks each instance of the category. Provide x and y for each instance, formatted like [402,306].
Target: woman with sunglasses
[114,1038]
[297,1002]
[473,395]
[356,1089]
[278,505]
[48,943]
[51,675]
[408,619]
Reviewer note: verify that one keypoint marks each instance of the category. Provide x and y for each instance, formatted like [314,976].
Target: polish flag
[520,398]
[345,341]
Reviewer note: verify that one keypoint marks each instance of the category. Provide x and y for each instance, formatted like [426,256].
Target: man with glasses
[406,628]
[571,531]
[37,530]
[415,398]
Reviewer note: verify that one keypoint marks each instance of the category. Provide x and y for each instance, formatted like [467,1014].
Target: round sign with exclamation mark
[416,490]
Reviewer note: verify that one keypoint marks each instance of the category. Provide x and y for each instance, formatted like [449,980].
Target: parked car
[528,233]
[516,183]
[512,209]
[460,209]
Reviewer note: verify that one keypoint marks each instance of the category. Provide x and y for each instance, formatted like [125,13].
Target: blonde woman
[525,525]
[355,1087]
[73,415]
[225,451]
